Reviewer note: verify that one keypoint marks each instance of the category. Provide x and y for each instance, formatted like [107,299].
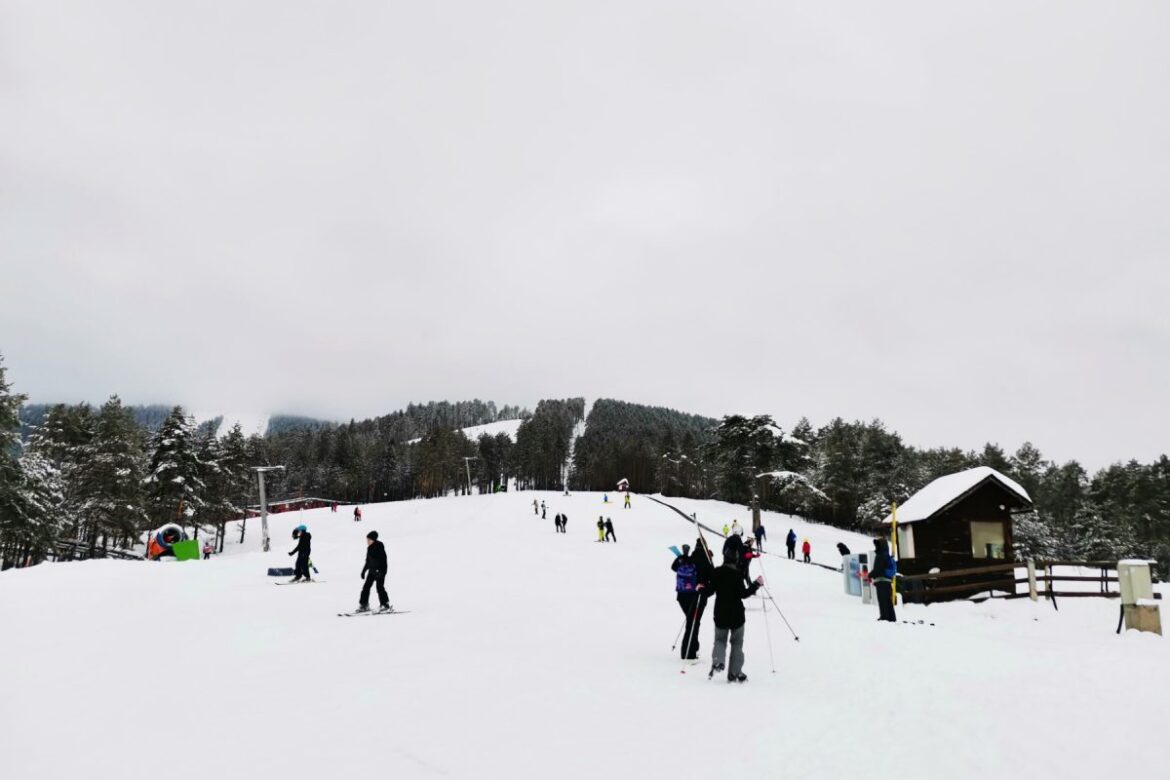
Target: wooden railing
[1039,576]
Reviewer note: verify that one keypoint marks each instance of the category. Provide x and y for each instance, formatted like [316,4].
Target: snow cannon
[163,540]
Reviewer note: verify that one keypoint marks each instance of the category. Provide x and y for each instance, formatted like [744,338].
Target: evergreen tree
[109,479]
[174,484]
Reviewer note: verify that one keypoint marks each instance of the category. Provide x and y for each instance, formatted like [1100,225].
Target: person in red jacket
[806,548]
[749,552]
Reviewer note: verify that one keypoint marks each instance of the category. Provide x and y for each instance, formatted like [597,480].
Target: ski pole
[680,630]
[781,613]
[768,631]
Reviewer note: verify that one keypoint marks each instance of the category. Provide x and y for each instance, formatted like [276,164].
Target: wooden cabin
[960,521]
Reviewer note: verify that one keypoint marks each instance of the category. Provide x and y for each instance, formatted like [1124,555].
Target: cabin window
[905,541]
[987,539]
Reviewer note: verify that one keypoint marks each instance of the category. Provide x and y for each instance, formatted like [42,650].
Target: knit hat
[372,535]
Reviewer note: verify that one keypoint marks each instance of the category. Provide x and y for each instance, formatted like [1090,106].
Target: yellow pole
[894,547]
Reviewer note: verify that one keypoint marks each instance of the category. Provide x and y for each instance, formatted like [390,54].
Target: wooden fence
[1002,581]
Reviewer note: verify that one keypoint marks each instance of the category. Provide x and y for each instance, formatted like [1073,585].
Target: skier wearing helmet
[304,540]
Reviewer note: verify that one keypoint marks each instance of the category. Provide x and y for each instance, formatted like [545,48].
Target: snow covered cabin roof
[944,491]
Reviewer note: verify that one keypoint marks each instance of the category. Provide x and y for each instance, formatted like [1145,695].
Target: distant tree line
[101,477]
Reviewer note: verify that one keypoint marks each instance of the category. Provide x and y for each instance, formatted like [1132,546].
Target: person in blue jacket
[791,542]
[883,573]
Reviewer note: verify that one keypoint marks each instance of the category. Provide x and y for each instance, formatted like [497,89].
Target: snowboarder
[357,514]
[806,550]
[730,592]
[884,571]
[374,573]
[841,548]
[207,551]
[691,570]
[302,550]
[609,530]
[791,542]
[627,506]
[543,511]
[600,529]
[760,537]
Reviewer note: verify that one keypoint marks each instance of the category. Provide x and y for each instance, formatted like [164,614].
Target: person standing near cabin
[791,542]
[882,575]
[302,550]
[627,506]
[374,573]
[730,592]
[600,529]
[806,550]
[609,530]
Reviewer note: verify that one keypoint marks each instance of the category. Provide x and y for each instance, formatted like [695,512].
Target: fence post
[1032,580]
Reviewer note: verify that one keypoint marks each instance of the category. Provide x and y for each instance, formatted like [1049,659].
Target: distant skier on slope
[736,528]
[609,530]
[726,531]
[600,529]
[557,523]
[535,507]
[746,558]
[302,550]
[543,511]
[374,573]
[760,537]
[730,592]
[790,541]
[564,523]
[627,506]
[806,550]
[357,514]
[884,571]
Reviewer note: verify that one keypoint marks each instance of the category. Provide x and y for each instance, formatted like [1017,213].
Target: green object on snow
[187,550]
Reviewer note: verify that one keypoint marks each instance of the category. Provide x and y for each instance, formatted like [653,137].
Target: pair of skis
[390,611]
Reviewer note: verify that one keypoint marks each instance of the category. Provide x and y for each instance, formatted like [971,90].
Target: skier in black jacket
[609,530]
[692,600]
[302,550]
[374,573]
[729,616]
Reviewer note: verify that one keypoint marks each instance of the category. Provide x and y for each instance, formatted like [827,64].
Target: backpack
[686,577]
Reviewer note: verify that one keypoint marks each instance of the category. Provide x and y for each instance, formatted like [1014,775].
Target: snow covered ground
[491,429]
[530,654]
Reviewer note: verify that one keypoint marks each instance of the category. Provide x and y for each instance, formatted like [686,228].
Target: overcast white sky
[955,217]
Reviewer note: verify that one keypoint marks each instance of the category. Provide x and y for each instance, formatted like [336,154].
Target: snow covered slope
[491,429]
[529,654]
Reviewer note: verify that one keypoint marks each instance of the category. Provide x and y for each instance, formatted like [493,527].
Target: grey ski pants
[720,653]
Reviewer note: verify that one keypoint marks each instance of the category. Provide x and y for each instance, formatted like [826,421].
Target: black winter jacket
[375,558]
[730,592]
[304,542]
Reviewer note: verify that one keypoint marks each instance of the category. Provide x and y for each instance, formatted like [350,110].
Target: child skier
[627,506]
[806,549]
[600,529]
[609,530]
[302,550]
[374,573]
[207,551]
[726,531]
[730,592]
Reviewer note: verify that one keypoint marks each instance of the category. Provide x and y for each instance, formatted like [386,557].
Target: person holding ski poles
[790,541]
[760,537]
[302,550]
[609,530]
[374,574]
[806,550]
[730,591]
[746,557]
[691,570]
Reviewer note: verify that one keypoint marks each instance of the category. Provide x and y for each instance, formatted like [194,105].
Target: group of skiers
[605,530]
[561,521]
[698,579]
[805,548]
